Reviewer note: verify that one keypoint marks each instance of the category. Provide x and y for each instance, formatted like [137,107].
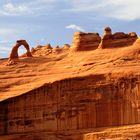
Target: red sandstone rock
[107,31]
[119,35]
[57,50]
[14,52]
[42,50]
[132,34]
[118,39]
[73,104]
[33,50]
[66,47]
[57,47]
[85,41]
[137,43]
[68,96]
[48,46]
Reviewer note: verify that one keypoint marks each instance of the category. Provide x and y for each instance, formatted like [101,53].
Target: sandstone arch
[14,52]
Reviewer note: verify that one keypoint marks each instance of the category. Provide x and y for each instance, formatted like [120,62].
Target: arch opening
[21,51]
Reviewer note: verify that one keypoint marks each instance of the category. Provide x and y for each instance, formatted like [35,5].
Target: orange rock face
[42,50]
[73,104]
[118,39]
[91,41]
[85,41]
[66,47]
[60,95]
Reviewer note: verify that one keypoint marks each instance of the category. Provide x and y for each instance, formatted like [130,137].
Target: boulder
[107,31]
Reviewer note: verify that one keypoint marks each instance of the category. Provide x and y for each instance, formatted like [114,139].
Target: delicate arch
[14,52]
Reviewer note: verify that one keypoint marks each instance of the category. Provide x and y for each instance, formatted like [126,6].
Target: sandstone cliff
[74,104]
[71,96]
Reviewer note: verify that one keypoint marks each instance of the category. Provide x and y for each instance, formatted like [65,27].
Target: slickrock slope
[31,72]
[71,95]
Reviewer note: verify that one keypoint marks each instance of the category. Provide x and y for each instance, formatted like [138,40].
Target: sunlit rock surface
[66,95]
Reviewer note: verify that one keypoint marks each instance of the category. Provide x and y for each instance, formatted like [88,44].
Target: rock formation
[57,50]
[107,31]
[48,46]
[73,104]
[41,50]
[73,96]
[118,39]
[91,41]
[85,41]
[66,47]
[14,52]
[45,50]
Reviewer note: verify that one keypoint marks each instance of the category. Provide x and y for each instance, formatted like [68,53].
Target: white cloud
[42,2]
[41,7]
[10,9]
[75,27]
[26,8]
[119,9]
[86,5]
[5,49]
[125,10]
[7,33]
[8,36]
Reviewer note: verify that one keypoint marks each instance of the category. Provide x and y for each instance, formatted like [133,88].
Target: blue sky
[55,21]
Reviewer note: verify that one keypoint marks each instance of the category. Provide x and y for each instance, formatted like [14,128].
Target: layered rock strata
[85,41]
[118,39]
[73,104]
[91,41]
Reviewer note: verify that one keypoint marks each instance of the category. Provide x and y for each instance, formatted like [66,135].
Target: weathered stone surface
[57,50]
[85,41]
[66,47]
[107,31]
[48,46]
[14,52]
[130,132]
[68,95]
[42,50]
[118,39]
[73,104]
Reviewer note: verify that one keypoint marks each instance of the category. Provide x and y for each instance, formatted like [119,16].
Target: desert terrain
[49,65]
